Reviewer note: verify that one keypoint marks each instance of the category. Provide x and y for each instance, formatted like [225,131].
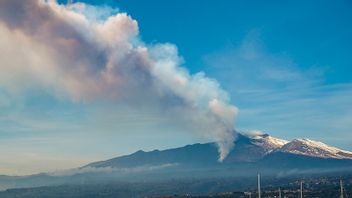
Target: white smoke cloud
[72,54]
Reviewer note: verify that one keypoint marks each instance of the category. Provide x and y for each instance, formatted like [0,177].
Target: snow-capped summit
[314,149]
[307,147]
[268,142]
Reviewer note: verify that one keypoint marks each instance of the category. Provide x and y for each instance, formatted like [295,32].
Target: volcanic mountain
[250,155]
[251,150]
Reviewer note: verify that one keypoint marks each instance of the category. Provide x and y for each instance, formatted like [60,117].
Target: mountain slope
[248,149]
[251,148]
[312,148]
[250,155]
[196,154]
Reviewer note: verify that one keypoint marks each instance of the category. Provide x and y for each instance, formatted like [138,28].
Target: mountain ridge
[251,154]
[248,149]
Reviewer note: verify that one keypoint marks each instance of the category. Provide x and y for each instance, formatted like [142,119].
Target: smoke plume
[75,54]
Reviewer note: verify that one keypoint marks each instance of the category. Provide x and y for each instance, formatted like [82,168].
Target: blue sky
[286,66]
[314,33]
[309,43]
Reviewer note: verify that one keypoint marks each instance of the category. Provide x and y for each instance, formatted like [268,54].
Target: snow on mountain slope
[315,149]
[268,142]
[305,147]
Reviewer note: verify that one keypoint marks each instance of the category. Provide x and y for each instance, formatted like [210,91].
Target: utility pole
[341,189]
[259,193]
[301,190]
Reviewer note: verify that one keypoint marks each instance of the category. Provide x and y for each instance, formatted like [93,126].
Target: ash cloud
[60,49]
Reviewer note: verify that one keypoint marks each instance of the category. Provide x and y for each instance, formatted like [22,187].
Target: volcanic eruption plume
[84,57]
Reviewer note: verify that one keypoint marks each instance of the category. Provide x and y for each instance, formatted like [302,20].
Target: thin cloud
[278,96]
